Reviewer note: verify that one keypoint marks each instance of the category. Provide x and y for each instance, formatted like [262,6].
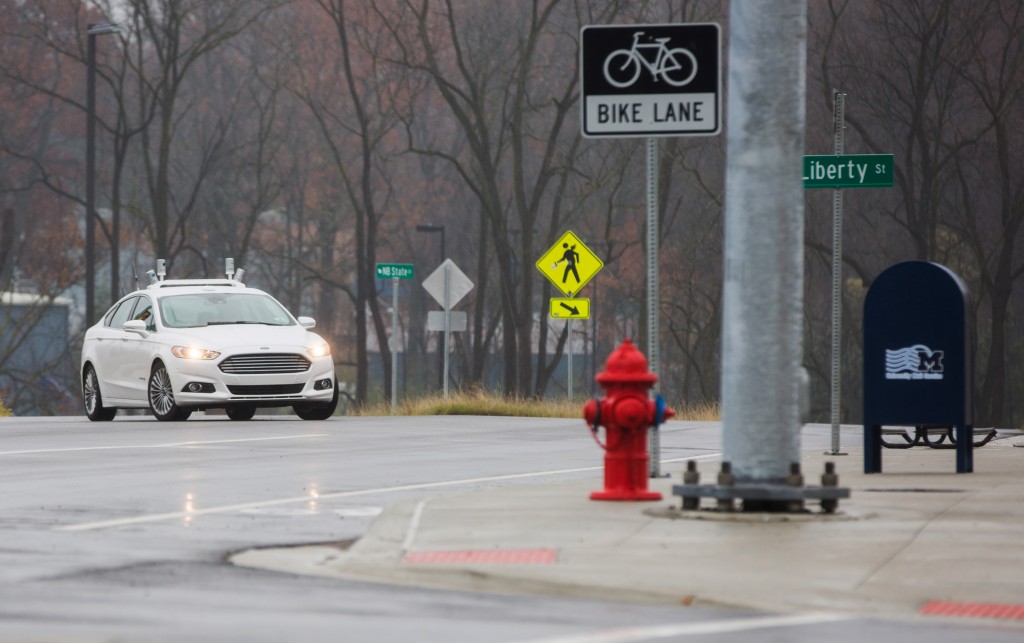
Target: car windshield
[213,309]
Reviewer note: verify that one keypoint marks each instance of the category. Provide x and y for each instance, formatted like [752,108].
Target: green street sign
[394,271]
[848,171]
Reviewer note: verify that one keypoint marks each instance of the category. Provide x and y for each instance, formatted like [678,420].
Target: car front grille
[266,389]
[265,364]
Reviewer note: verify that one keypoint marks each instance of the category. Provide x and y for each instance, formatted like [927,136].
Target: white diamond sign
[459,284]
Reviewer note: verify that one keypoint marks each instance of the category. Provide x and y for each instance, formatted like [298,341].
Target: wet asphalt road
[121,530]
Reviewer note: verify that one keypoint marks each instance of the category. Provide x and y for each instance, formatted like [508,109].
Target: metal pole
[90,179]
[568,324]
[652,293]
[394,344]
[440,356]
[447,325]
[839,102]
[652,258]
[90,171]
[593,342]
[762,338]
[442,369]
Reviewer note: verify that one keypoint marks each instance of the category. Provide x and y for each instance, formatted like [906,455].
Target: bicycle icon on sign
[677,67]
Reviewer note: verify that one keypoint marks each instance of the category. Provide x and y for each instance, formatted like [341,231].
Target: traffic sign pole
[394,271]
[652,294]
[837,271]
[394,344]
[447,285]
[569,364]
[447,322]
[624,92]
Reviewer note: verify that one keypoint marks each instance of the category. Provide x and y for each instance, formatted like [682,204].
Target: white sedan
[184,345]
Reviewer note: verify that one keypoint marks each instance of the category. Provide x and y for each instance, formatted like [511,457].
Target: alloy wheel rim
[160,394]
[91,388]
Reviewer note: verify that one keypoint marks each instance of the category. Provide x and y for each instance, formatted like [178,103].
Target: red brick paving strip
[483,557]
[974,610]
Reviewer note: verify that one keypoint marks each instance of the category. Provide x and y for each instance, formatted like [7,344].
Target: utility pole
[762,338]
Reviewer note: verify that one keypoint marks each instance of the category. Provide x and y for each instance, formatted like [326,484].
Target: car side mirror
[307,322]
[135,326]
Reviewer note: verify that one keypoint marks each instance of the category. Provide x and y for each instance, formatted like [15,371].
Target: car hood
[225,337]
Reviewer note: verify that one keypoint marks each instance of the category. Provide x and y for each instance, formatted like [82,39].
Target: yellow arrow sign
[570,308]
[569,264]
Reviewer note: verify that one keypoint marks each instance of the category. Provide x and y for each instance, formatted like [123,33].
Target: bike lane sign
[651,80]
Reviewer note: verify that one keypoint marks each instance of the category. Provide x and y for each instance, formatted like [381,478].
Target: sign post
[651,80]
[840,171]
[396,271]
[569,264]
[447,285]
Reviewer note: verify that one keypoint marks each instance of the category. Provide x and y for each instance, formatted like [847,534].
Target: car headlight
[191,352]
[321,350]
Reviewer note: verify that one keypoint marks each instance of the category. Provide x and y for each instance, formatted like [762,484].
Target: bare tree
[168,39]
[507,81]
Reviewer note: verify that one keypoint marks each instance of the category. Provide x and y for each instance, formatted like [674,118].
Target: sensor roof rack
[157,278]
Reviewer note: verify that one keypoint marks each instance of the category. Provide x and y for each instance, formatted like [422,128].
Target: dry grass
[483,403]
[4,411]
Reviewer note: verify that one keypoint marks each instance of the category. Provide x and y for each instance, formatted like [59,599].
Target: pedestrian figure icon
[570,257]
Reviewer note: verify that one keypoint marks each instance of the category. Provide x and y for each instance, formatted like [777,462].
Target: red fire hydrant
[626,412]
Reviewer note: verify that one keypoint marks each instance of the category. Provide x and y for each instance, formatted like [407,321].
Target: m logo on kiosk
[917,362]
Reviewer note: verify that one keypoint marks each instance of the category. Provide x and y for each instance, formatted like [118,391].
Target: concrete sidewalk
[915,534]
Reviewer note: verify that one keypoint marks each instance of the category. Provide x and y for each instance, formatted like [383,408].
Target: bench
[932,435]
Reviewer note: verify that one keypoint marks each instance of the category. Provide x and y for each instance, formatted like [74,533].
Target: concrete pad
[917,532]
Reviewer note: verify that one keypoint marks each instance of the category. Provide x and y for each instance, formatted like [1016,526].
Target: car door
[137,351]
[109,348]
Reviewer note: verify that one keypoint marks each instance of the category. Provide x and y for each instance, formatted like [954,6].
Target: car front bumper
[218,388]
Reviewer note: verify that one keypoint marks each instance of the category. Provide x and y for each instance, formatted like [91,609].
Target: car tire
[318,411]
[161,396]
[241,412]
[94,408]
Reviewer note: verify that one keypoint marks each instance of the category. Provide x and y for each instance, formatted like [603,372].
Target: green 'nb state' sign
[394,271]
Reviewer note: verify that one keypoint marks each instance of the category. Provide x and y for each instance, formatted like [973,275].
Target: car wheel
[318,411]
[242,412]
[94,408]
[161,396]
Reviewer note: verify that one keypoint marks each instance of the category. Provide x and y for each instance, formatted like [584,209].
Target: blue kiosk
[918,357]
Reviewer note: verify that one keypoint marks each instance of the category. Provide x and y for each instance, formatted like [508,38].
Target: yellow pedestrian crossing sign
[570,308]
[569,264]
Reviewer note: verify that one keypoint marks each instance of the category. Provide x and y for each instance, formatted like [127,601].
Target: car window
[213,309]
[120,316]
[144,312]
[109,317]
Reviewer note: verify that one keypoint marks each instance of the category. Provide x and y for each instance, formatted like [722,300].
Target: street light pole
[90,167]
[437,228]
[90,180]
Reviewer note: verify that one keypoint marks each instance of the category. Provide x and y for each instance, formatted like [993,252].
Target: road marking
[178,515]
[537,556]
[163,446]
[629,634]
[414,525]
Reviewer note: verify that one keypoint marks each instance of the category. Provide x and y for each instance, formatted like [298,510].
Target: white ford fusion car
[183,345]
